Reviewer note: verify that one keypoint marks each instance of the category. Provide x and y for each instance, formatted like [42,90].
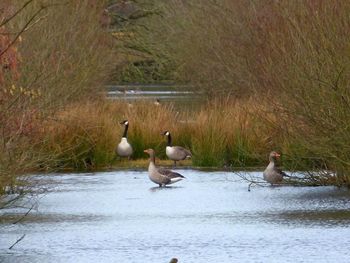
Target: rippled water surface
[209,217]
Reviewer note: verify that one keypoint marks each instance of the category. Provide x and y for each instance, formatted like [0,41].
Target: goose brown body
[272,174]
[161,176]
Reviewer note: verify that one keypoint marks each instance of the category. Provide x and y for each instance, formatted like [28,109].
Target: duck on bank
[158,175]
[175,153]
[124,148]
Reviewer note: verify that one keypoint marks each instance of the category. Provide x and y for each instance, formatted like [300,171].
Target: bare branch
[27,24]
[20,219]
[18,240]
[22,30]
[16,13]
[29,27]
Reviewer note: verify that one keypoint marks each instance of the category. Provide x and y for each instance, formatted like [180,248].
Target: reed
[90,142]
[80,137]
[221,133]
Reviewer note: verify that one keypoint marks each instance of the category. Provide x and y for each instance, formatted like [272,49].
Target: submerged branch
[307,179]
[18,240]
[21,218]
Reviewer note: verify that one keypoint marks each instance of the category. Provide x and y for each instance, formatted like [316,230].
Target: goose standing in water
[175,153]
[124,148]
[272,174]
[161,176]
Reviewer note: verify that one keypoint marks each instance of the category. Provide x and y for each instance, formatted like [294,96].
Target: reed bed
[221,133]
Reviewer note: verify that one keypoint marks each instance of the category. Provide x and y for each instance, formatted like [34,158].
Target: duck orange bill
[145,151]
[277,155]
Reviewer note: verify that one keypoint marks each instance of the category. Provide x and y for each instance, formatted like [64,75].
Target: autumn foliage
[9,56]
[52,53]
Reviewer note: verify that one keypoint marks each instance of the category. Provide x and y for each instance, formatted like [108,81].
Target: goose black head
[166,133]
[126,122]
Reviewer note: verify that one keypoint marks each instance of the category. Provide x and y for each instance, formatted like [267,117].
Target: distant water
[164,93]
[209,217]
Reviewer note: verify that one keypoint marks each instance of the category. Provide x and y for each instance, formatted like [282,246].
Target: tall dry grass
[221,133]
[90,142]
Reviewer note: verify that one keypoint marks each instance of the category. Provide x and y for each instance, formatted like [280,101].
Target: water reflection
[163,188]
[314,218]
[39,218]
[180,96]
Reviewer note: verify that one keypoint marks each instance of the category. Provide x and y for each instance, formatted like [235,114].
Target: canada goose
[175,153]
[124,149]
[157,102]
[161,176]
[272,174]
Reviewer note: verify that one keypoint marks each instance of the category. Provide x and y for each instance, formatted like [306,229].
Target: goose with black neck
[124,148]
[175,153]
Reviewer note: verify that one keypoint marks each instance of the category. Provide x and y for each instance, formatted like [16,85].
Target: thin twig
[20,32]
[18,240]
[24,214]
[29,27]
[16,13]
[26,26]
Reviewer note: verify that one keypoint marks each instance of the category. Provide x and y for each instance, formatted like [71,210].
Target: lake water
[180,96]
[209,217]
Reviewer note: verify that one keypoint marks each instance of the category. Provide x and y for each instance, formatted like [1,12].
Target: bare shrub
[54,53]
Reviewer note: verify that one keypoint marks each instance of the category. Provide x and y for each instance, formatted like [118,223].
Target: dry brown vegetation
[53,53]
[292,55]
[220,133]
